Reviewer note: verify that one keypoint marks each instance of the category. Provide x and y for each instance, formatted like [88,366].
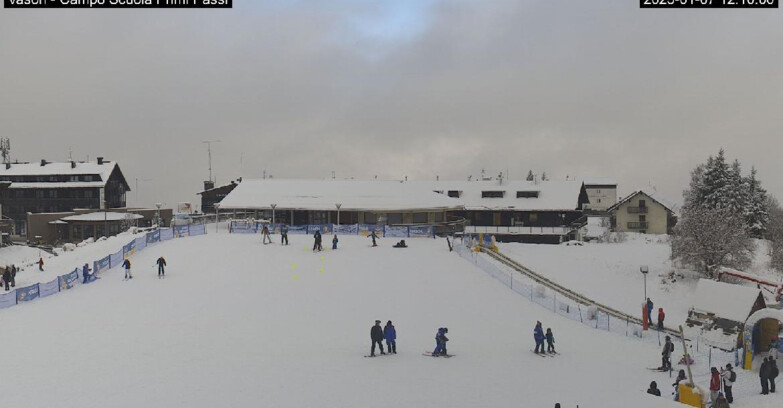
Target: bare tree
[707,238]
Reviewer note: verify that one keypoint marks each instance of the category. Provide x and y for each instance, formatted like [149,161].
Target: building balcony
[637,225]
[637,210]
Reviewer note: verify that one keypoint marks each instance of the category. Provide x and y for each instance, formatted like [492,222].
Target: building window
[527,194]
[394,218]
[599,201]
[493,194]
[420,218]
[533,217]
[642,218]
[642,204]
[370,218]
[438,217]
[455,193]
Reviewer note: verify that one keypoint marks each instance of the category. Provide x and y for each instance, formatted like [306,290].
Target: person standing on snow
[666,354]
[7,278]
[334,242]
[374,237]
[390,335]
[13,275]
[317,241]
[376,335]
[721,402]
[649,312]
[653,390]
[773,373]
[265,233]
[729,376]
[440,341]
[714,385]
[40,264]
[86,277]
[127,266]
[676,385]
[284,234]
[538,336]
[161,267]
[550,341]
[661,316]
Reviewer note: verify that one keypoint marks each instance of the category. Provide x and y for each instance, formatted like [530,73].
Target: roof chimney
[73,164]
[100,160]
[209,185]
[43,162]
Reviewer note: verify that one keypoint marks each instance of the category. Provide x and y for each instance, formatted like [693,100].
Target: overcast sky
[395,88]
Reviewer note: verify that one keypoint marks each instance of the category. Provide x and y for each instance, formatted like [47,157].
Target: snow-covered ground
[236,323]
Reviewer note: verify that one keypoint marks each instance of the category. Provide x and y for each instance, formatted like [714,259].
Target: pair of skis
[545,355]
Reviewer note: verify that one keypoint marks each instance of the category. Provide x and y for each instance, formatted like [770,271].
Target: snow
[101,216]
[236,323]
[733,302]
[554,195]
[353,195]
[75,184]
[59,169]
[596,226]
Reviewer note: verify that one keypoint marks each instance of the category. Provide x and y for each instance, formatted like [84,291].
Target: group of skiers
[540,337]
[661,315]
[378,335]
[9,277]
[317,245]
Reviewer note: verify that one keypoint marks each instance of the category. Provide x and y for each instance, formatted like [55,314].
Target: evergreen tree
[530,176]
[543,176]
[756,209]
[775,233]
[716,178]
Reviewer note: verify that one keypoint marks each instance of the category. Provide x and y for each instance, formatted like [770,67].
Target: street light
[338,205]
[644,270]
[217,220]
[273,212]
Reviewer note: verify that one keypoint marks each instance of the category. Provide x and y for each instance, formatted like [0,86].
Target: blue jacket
[85,270]
[538,333]
[389,333]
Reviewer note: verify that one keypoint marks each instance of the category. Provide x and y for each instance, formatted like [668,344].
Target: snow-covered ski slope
[240,324]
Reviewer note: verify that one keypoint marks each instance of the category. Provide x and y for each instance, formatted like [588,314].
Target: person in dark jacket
[649,311]
[661,316]
[538,336]
[654,389]
[400,244]
[161,267]
[86,276]
[729,377]
[390,335]
[317,241]
[13,275]
[127,266]
[764,376]
[374,237]
[676,385]
[773,373]
[284,234]
[376,335]
[550,341]
[666,354]
[266,237]
[7,278]
[40,264]
[334,242]
[440,341]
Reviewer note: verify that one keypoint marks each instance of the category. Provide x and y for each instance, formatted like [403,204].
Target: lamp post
[217,218]
[273,212]
[644,270]
[338,205]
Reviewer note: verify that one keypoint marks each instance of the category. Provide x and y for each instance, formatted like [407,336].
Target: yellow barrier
[688,397]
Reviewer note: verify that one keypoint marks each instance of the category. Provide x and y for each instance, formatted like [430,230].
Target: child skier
[40,264]
[161,267]
[661,316]
[550,341]
[390,334]
[440,341]
[374,237]
[127,266]
[317,241]
[538,336]
[284,235]
[334,242]
[265,233]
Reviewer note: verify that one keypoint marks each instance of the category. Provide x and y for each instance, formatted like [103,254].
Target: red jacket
[715,382]
[661,315]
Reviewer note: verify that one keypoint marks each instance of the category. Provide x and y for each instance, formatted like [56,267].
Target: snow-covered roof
[323,195]
[732,302]
[101,216]
[599,181]
[548,195]
[60,169]
[74,184]
[655,195]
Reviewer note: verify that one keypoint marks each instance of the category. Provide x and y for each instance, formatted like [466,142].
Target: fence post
[579,308]
[608,322]
[554,303]
[627,323]
[596,318]
[710,358]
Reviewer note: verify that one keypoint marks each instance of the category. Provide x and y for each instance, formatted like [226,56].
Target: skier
[714,386]
[649,311]
[729,377]
[390,334]
[265,233]
[334,242]
[284,234]
[13,276]
[440,341]
[317,241]
[376,335]
[401,244]
[661,316]
[668,349]
[550,341]
[127,266]
[764,376]
[374,237]
[538,335]
[40,264]
[773,373]
[161,267]
[654,389]
[7,278]
[676,385]
[87,277]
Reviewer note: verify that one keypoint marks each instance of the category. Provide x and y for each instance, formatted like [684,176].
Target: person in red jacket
[40,264]
[714,385]
[661,316]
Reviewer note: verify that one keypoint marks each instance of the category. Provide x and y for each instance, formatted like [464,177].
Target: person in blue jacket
[649,311]
[440,340]
[86,274]
[538,335]
[390,335]
[550,341]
